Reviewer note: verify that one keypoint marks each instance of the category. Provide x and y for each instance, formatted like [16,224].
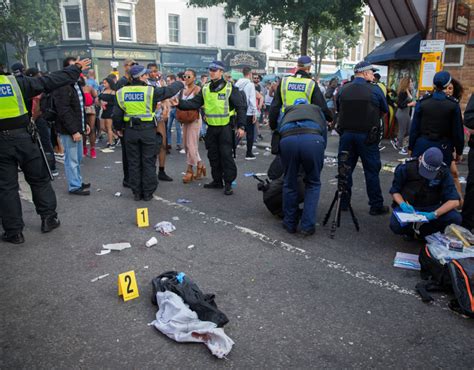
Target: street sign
[431,46]
[430,64]
[127,285]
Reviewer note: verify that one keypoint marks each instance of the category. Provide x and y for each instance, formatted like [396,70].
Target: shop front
[53,56]
[238,59]
[174,60]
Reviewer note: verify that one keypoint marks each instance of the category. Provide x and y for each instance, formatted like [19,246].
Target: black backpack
[48,110]
[455,277]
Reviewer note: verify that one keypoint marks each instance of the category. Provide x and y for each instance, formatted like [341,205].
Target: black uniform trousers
[18,149]
[142,146]
[468,207]
[124,159]
[219,144]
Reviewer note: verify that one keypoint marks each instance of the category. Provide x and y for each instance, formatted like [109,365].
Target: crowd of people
[74,111]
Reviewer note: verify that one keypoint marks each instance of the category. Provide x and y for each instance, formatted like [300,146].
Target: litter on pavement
[175,218]
[107,150]
[191,246]
[406,261]
[103,251]
[118,194]
[99,277]
[117,246]
[150,243]
[186,314]
[165,227]
[183,200]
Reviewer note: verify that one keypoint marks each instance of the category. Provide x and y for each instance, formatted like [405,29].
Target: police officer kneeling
[303,133]
[134,118]
[18,149]
[424,185]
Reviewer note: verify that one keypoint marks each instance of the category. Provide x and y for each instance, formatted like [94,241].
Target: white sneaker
[394,144]
[403,151]
[182,151]
[250,157]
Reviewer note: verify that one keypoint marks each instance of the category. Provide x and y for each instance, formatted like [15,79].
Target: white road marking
[364,276]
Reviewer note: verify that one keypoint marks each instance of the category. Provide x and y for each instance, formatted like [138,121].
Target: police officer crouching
[220,100]
[361,104]
[303,133]
[437,122]
[134,119]
[17,148]
[424,185]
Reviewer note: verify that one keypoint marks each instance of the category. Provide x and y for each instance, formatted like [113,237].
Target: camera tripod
[342,184]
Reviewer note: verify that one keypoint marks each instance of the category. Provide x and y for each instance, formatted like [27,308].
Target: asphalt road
[292,301]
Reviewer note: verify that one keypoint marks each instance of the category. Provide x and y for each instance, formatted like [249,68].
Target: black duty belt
[300,131]
[13,132]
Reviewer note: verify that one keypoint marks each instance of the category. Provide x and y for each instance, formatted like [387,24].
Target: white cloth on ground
[177,321]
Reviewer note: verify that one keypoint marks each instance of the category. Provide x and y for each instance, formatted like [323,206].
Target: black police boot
[49,223]
[214,185]
[377,211]
[137,196]
[228,189]
[15,239]
[163,176]
[308,232]
[125,184]
[147,197]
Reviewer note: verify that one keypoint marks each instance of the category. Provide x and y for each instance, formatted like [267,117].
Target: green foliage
[23,21]
[318,14]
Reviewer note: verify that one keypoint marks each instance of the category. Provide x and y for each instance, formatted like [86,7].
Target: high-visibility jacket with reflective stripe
[11,99]
[293,88]
[136,102]
[216,105]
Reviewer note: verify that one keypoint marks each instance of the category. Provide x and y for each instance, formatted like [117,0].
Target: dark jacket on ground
[236,101]
[32,86]
[68,107]
[317,99]
[161,93]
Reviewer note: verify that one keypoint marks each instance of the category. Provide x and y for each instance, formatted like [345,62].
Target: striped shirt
[81,102]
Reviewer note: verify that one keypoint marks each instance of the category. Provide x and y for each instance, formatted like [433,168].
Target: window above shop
[202,31]
[231,26]
[173,28]
[125,21]
[73,23]
[454,55]
[252,37]
[277,39]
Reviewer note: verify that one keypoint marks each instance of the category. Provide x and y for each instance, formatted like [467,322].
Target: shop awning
[401,48]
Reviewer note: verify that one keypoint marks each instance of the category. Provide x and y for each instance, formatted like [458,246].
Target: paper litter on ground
[118,194]
[118,162]
[183,200]
[103,251]
[150,243]
[191,246]
[165,227]
[107,150]
[175,218]
[99,277]
[117,246]
[249,174]
[406,261]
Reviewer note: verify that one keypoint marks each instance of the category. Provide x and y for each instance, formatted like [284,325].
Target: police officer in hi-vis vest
[17,149]
[220,99]
[299,86]
[134,119]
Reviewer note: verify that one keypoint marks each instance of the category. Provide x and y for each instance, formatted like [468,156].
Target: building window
[231,33]
[377,31]
[202,31]
[454,55]
[277,39]
[173,26]
[72,18]
[124,24]
[359,51]
[252,37]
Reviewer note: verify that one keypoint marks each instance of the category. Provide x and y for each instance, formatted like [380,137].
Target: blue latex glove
[407,208]
[429,215]
[180,277]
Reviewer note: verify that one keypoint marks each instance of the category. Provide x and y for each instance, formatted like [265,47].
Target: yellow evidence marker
[142,217]
[127,285]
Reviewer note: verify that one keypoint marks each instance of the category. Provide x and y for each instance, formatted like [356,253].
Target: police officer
[220,99]
[468,206]
[361,104]
[18,149]
[425,185]
[303,133]
[437,122]
[298,86]
[135,113]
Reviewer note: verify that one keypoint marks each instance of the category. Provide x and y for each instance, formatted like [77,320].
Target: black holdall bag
[48,110]
[455,277]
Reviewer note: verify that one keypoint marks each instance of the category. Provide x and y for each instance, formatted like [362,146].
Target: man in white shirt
[246,85]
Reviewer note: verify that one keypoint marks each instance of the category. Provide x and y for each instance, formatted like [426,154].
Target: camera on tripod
[342,194]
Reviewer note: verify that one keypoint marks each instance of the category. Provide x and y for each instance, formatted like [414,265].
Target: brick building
[86,31]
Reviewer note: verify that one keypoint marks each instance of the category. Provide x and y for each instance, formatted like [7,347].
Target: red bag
[187,116]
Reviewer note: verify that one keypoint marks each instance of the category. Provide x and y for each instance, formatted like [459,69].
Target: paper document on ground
[406,261]
[117,246]
[410,217]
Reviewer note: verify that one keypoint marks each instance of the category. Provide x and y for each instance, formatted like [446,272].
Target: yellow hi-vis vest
[137,102]
[293,88]
[11,99]
[216,105]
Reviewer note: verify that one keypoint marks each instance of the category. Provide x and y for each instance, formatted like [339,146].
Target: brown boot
[188,177]
[200,172]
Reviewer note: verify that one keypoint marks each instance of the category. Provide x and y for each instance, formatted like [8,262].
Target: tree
[24,21]
[301,15]
[324,42]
